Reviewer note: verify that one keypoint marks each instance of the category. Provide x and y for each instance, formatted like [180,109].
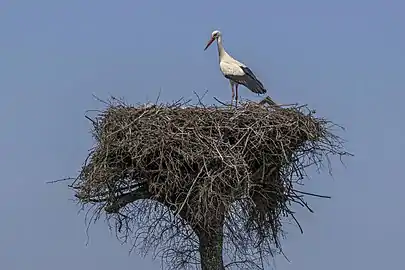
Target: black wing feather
[249,80]
[252,83]
[250,73]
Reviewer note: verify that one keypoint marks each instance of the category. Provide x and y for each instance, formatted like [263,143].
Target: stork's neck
[221,50]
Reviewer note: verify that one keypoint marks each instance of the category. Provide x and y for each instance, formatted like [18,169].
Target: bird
[233,70]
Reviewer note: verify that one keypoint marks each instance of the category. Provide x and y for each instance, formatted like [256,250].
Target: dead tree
[202,185]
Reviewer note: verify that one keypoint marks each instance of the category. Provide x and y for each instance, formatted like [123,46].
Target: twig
[60,180]
[189,192]
[222,103]
[313,194]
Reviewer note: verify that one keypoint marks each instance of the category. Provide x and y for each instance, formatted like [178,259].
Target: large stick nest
[204,162]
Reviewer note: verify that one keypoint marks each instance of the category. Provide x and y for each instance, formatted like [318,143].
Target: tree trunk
[211,244]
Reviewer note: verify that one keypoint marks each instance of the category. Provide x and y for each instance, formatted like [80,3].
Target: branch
[138,194]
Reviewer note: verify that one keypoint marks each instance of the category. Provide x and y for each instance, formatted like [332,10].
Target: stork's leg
[237,95]
[233,93]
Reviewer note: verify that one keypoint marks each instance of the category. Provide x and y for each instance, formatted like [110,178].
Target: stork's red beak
[209,43]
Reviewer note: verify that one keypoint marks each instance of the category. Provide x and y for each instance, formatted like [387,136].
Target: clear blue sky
[344,58]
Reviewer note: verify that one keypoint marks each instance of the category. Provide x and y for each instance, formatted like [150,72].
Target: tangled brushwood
[203,180]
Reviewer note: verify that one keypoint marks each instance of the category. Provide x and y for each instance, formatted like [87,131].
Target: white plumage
[235,71]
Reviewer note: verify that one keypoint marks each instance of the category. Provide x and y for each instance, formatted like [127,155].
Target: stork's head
[215,35]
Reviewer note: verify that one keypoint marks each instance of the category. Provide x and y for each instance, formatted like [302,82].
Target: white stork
[235,71]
